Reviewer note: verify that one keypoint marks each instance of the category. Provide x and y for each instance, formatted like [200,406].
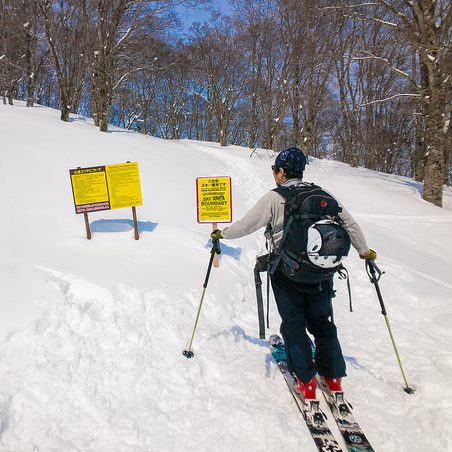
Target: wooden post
[216,262]
[135,223]
[88,230]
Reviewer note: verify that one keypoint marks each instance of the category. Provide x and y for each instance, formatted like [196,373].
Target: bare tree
[309,34]
[348,75]
[255,26]
[426,26]
[117,23]
[11,49]
[218,55]
[31,23]
[63,32]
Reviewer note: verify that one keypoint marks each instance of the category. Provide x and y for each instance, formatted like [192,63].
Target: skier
[302,305]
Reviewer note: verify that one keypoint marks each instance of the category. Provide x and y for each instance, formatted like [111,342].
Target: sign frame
[90,207]
[108,190]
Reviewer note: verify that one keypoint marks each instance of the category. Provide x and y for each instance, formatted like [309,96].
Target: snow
[92,332]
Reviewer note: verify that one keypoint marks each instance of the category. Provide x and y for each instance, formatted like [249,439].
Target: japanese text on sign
[89,186]
[214,200]
[106,187]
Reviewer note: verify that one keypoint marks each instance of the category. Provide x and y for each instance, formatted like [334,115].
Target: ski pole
[216,249]
[372,271]
[260,302]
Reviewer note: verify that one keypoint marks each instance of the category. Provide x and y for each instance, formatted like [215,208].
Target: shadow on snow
[115,225]
[227,250]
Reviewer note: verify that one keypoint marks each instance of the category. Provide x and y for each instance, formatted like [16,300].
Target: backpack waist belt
[295,262]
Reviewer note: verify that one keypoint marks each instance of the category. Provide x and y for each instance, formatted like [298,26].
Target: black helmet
[291,159]
[328,244]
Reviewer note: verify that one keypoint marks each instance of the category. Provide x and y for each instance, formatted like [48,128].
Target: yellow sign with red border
[214,199]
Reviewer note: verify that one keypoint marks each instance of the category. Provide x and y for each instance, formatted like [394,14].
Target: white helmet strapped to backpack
[328,244]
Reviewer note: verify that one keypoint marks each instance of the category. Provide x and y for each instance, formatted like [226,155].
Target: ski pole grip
[375,268]
[373,271]
[216,248]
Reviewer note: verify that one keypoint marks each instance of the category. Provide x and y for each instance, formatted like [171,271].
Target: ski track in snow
[101,367]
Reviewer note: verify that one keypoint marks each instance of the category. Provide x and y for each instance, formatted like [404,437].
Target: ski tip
[275,339]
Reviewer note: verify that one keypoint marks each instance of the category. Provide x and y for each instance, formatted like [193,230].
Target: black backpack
[311,219]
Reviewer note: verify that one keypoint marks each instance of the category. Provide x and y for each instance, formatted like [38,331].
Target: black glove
[216,234]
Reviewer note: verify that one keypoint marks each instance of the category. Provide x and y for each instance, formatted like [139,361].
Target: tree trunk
[435,100]
[223,141]
[65,108]
[30,74]
[253,123]
[48,93]
[104,100]
[447,172]
[435,162]
[10,97]
[39,94]
[31,31]
[103,105]
[296,126]
[419,150]
[209,118]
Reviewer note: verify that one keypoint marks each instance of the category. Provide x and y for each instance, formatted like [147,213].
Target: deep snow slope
[92,332]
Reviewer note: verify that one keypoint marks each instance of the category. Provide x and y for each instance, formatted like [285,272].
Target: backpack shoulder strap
[289,194]
[312,202]
[291,191]
[301,201]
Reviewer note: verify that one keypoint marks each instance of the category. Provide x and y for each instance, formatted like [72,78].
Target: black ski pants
[307,307]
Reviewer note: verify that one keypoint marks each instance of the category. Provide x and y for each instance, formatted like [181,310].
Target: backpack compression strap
[286,193]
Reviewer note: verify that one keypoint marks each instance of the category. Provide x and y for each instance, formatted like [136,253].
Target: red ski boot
[334,384]
[306,390]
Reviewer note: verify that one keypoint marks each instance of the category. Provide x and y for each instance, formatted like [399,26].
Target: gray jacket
[270,209]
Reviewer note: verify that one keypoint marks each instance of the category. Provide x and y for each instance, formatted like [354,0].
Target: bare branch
[349,6]
[375,19]
[132,71]
[377,101]
[396,12]
[388,63]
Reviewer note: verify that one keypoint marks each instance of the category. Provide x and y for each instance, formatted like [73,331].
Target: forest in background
[366,83]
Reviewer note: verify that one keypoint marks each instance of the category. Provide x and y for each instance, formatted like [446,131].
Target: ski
[354,437]
[310,409]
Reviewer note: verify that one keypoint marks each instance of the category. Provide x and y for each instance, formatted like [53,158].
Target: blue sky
[201,13]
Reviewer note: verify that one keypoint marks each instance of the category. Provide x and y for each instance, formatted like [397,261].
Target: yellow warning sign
[106,187]
[214,199]
[124,185]
[89,187]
